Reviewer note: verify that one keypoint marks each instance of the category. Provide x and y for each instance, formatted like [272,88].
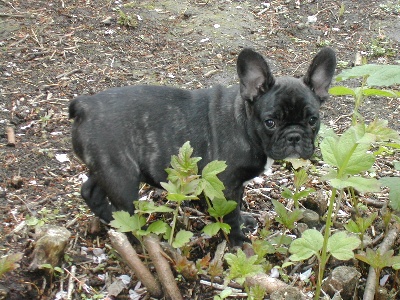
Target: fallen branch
[162,267]
[120,242]
[386,245]
[271,285]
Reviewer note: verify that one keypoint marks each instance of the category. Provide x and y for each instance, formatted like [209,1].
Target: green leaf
[309,244]
[212,187]
[358,71]
[183,165]
[341,246]
[396,263]
[241,266]
[381,131]
[124,222]
[280,209]
[352,226]
[286,193]
[375,259]
[394,194]
[286,217]
[348,153]
[300,178]
[361,184]
[182,238]
[10,262]
[303,194]
[158,227]
[385,75]
[341,91]
[213,168]
[377,92]
[281,239]
[221,207]
[262,248]
[149,207]
[212,229]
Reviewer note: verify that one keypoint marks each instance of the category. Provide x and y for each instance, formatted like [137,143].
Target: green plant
[241,266]
[126,20]
[372,76]
[378,261]
[256,292]
[300,178]
[224,294]
[348,157]
[183,184]
[10,262]
[360,226]
[285,217]
[339,245]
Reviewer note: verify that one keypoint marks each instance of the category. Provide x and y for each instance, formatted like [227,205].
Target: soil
[52,51]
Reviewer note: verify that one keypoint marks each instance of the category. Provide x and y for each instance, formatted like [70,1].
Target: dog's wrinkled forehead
[293,100]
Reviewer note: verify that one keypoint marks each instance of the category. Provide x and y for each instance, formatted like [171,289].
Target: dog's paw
[249,223]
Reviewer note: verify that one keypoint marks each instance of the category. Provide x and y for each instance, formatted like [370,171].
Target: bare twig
[121,244]
[66,74]
[71,283]
[163,268]
[10,136]
[386,245]
[19,41]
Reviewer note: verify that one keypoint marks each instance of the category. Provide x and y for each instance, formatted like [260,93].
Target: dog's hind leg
[96,198]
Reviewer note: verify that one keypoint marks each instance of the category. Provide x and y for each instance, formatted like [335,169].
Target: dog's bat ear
[320,72]
[254,74]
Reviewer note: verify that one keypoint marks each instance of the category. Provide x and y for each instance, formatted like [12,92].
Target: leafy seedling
[372,76]
[285,217]
[241,266]
[312,243]
[394,194]
[360,226]
[10,262]
[183,184]
[300,178]
[378,261]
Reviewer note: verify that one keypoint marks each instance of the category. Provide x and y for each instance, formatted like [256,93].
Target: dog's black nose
[293,137]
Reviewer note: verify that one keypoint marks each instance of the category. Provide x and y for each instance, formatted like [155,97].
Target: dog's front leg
[240,223]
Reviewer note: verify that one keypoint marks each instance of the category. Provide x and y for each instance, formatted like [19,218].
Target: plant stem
[324,256]
[171,237]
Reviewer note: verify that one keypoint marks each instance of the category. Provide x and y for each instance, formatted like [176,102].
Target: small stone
[16,182]
[107,21]
[50,245]
[287,293]
[311,218]
[300,228]
[344,280]
[301,26]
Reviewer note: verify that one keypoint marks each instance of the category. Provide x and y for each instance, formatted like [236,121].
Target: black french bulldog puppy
[127,135]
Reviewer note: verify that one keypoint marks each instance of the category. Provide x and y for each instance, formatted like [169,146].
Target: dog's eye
[313,121]
[270,123]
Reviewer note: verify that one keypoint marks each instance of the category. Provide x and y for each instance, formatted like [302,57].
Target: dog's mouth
[292,152]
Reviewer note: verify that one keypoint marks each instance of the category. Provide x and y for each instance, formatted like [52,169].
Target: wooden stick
[10,136]
[163,268]
[387,244]
[120,242]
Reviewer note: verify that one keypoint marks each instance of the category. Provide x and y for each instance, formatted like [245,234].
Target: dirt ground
[52,51]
